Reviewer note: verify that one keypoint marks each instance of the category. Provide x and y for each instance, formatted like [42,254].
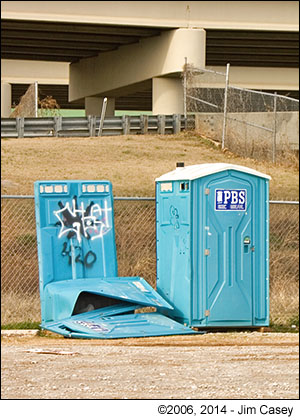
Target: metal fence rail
[136,250]
[89,126]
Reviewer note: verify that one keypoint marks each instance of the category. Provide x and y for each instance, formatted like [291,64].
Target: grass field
[130,162]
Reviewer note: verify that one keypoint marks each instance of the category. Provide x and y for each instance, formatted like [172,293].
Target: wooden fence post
[20,126]
[176,123]
[57,125]
[144,124]
[92,125]
[126,124]
[161,123]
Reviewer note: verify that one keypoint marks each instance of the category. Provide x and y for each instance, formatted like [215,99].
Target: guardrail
[89,126]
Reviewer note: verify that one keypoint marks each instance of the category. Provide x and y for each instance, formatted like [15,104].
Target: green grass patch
[284,329]
[26,325]
[291,326]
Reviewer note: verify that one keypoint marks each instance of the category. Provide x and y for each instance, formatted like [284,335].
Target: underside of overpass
[71,42]
[123,61]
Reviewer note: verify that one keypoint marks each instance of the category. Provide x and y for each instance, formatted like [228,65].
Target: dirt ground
[237,365]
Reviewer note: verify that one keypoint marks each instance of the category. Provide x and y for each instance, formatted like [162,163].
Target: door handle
[247,242]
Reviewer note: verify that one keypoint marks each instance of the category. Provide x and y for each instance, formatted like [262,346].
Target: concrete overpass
[133,52]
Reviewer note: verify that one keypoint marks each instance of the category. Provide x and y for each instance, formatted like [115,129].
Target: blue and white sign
[97,327]
[233,200]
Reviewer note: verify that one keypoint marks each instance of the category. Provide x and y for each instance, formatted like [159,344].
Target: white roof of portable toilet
[198,171]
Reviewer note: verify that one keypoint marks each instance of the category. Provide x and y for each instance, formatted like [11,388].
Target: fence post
[161,124]
[92,125]
[275,129]
[36,99]
[125,124]
[176,123]
[20,126]
[184,92]
[57,125]
[103,111]
[144,124]
[225,105]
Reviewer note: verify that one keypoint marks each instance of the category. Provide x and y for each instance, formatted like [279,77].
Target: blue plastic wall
[213,254]
[76,239]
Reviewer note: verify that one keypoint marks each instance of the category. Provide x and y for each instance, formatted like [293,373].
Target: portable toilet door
[212,245]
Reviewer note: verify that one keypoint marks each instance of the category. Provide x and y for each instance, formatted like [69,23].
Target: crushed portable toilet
[80,291]
[213,245]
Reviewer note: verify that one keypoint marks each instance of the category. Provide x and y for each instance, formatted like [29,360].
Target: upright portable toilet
[212,245]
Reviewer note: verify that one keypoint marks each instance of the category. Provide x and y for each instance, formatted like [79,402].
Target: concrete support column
[93,106]
[167,95]
[5,100]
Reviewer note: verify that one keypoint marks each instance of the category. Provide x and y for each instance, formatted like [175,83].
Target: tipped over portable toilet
[80,291]
[212,245]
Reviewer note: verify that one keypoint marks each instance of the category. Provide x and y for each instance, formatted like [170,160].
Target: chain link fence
[251,123]
[34,103]
[136,251]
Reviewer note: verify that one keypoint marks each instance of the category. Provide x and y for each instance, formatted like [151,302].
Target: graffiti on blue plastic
[92,325]
[230,199]
[91,222]
[174,217]
[87,260]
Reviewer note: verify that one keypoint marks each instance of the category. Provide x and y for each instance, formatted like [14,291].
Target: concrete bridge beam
[114,73]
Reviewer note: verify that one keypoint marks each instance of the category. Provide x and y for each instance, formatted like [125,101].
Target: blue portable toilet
[80,291]
[75,232]
[213,246]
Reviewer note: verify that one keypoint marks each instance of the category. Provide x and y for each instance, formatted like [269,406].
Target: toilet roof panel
[198,171]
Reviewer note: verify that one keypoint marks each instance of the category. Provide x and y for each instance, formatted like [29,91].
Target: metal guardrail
[88,126]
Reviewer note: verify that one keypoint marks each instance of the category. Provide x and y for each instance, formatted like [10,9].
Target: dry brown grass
[20,308]
[130,162]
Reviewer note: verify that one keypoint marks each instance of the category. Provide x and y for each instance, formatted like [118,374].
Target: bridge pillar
[167,95]
[5,100]
[93,106]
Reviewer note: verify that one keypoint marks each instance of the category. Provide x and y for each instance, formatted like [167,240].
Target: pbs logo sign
[230,200]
